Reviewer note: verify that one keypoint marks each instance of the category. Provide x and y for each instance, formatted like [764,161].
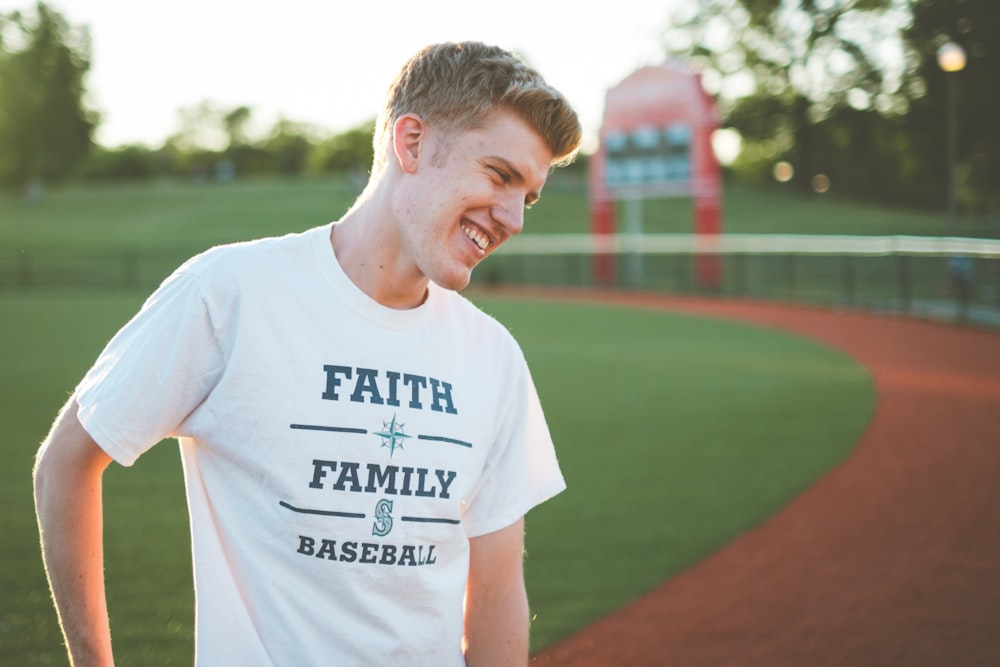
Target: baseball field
[695,445]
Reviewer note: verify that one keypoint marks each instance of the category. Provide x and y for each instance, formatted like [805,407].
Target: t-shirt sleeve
[153,373]
[522,470]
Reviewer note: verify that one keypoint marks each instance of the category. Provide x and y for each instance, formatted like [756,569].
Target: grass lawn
[186,217]
[675,434]
[175,215]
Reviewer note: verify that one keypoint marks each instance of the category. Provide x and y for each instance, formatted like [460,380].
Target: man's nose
[510,214]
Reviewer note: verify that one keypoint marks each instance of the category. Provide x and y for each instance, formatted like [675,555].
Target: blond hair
[455,86]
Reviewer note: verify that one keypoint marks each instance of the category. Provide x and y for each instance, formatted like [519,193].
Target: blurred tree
[865,154]
[789,75]
[45,128]
[242,153]
[852,89]
[974,25]
[235,124]
[124,163]
[201,127]
[212,142]
[289,145]
[350,151]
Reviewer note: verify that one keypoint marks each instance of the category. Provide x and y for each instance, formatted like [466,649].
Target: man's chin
[455,282]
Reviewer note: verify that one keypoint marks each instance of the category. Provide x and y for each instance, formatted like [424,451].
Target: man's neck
[368,250]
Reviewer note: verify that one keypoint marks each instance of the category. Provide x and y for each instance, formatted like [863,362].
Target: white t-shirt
[337,454]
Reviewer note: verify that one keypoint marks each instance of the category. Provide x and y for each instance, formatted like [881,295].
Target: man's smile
[477,236]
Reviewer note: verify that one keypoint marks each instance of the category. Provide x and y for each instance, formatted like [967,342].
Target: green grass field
[675,434]
[188,216]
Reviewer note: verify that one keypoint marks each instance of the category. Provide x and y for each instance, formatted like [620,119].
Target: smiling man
[360,443]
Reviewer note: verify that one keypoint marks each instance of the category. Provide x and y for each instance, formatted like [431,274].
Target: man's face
[468,195]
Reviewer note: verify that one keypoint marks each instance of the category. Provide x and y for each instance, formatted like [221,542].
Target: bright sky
[328,62]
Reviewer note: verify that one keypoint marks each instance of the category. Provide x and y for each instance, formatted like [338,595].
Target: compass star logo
[392,435]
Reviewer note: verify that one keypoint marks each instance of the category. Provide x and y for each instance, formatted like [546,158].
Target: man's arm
[496,603]
[67,476]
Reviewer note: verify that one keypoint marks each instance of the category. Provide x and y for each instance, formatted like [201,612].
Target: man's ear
[408,133]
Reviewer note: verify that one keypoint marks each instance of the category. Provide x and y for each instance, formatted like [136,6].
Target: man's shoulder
[254,257]
[478,322]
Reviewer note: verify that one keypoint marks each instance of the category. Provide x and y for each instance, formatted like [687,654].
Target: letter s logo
[383,518]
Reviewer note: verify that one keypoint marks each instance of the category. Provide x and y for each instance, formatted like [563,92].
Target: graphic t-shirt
[338,455]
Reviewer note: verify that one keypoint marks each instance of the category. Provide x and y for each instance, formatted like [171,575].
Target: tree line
[213,144]
[846,90]
[851,90]
[47,131]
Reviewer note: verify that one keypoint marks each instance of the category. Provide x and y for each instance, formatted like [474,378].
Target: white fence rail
[754,244]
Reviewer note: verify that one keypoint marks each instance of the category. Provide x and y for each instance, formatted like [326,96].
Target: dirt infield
[892,558]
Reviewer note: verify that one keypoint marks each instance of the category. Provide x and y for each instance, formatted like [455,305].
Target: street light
[951,59]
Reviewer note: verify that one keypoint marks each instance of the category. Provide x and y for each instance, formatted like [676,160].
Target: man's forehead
[507,137]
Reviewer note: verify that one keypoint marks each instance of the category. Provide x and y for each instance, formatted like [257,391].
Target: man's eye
[504,176]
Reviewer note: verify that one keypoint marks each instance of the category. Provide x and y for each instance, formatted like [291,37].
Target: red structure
[656,141]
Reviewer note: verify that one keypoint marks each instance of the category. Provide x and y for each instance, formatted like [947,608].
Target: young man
[360,444]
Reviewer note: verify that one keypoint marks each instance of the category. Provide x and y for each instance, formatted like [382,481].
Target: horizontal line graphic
[301,510]
[441,438]
[427,519]
[334,429]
